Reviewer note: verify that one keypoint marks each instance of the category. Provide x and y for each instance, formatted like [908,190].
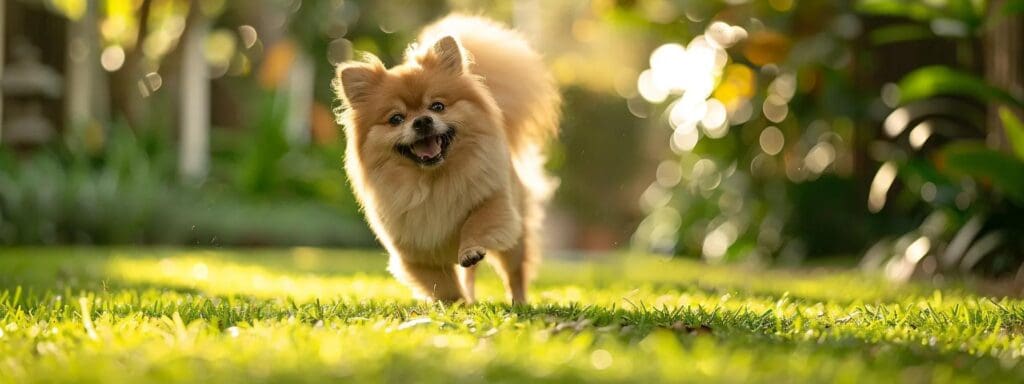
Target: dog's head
[417,112]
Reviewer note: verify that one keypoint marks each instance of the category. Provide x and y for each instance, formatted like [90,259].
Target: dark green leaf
[1014,6]
[961,10]
[1014,131]
[937,80]
[974,160]
[899,33]
[964,10]
[912,9]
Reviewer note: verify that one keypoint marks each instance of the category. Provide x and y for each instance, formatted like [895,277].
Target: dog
[445,154]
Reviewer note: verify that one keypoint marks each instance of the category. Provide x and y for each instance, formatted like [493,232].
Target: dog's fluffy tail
[514,73]
[529,101]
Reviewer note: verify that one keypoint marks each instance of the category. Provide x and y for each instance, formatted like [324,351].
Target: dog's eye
[437,107]
[396,119]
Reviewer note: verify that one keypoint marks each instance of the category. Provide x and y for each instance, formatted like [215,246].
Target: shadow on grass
[305,274]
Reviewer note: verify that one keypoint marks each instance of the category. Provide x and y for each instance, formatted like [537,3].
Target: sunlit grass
[129,315]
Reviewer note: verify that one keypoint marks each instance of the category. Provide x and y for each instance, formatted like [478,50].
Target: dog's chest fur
[429,213]
[420,214]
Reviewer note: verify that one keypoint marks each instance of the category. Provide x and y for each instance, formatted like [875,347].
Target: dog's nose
[423,124]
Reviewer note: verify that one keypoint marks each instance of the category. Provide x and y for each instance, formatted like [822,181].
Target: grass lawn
[309,315]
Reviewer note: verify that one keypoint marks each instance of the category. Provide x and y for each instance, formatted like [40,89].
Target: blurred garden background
[882,134]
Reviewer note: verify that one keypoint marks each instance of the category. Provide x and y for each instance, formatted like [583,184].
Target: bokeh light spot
[772,140]
[112,58]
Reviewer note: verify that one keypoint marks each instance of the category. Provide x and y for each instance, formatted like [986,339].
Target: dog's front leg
[494,225]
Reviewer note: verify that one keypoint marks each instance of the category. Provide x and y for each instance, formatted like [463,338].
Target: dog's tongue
[427,148]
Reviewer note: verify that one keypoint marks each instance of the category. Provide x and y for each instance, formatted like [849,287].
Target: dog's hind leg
[467,276]
[432,282]
[514,266]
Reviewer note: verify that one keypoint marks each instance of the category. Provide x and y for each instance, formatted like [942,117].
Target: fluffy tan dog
[445,155]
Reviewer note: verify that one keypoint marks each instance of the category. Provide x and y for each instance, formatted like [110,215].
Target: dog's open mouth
[429,150]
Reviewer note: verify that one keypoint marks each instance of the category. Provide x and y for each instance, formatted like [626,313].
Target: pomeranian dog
[445,155]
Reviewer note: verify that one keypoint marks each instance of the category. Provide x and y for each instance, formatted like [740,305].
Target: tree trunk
[125,83]
[2,47]
[1004,63]
[193,160]
[83,73]
[300,99]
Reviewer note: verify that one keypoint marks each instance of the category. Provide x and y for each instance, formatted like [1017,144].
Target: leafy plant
[928,82]
[128,194]
[970,194]
[754,188]
[1014,131]
[971,13]
[1004,172]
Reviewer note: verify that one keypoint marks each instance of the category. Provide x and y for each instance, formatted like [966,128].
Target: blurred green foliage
[867,144]
[128,194]
[774,131]
[933,81]
[970,192]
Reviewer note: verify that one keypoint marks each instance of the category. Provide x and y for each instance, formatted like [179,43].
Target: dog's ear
[447,56]
[355,80]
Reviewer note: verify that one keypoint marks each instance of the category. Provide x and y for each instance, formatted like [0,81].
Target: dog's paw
[468,257]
